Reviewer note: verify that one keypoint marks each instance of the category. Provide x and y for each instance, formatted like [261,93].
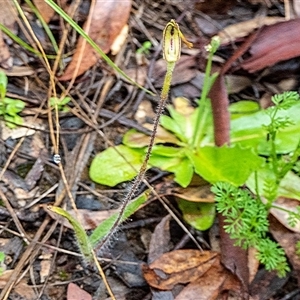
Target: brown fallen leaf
[160,240]
[184,70]
[273,44]
[76,293]
[195,194]
[139,139]
[208,287]
[21,288]
[179,266]
[107,20]
[214,6]
[287,240]
[44,9]
[7,18]
[242,29]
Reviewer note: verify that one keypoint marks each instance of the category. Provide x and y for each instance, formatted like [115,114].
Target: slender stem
[203,103]
[138,180]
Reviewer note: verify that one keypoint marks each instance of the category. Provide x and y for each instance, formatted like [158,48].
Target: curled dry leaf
[287,240]
[179,266]
[242,29]
[107,20]
[268,49]
[195,194]
[160,240]
[208,287]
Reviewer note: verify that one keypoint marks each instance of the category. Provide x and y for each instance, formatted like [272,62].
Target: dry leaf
[21,288]
[44,9]
[76,293]
[211,285]
[195,194]
[119,41]
[8,20]
[160,239]
[268,49]
[242,29]
[287,240]
[107,20]
[179,266]
[184,70]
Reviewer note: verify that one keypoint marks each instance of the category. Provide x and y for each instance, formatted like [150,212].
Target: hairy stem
[138,180]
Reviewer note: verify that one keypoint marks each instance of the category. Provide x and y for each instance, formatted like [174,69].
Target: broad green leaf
[186,123]
[289,185]
[199,215]
[183,125]
[242,108]
[81,236]
[171,125]
[249,131]
[181,166]
[115,165]
[11,121]
[14,106]
[228,164]
[136,139]
[168,151]
[104,228]
[183,172]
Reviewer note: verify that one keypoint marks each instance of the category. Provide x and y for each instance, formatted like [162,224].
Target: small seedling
[146,46]
[2,264]
[9,108]
[61,104]
[87,243]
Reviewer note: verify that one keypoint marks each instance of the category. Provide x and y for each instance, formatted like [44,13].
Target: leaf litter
[195,272]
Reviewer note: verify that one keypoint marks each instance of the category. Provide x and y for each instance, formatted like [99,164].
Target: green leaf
[104,228]
[183,172]
[110,168]
[81,236]
[12,121]
[168,151]
[199,215]
[250,131]
[243,108]
[181,166]
[135,139]
[14,106]
[2,256]
[228,164]
[3,84]
[288,187]
[182,125]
